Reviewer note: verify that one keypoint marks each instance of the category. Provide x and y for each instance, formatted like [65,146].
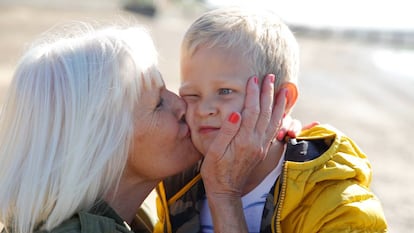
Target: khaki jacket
[101,219]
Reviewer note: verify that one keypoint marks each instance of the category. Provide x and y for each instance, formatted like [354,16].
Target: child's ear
[292,95]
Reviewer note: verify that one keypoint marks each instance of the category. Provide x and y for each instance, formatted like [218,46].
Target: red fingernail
[234,118]
[291,134]
[256,80]
[272,78]
[280,135]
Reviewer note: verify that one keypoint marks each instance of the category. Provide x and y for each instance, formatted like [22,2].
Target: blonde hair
[266,42]
[67,123]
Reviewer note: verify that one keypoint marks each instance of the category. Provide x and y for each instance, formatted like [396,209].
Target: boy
[318,182]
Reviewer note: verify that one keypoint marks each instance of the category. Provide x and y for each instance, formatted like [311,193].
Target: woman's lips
[186,132]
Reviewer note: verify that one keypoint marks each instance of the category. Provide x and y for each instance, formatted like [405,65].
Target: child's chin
[201,147]
[202,150]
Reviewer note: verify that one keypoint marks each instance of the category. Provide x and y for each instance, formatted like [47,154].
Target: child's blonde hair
[266,42]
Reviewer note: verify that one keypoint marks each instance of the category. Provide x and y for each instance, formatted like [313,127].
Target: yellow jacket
[324,187]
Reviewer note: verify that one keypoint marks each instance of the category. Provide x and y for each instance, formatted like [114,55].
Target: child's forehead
[219,58]
[213,83]
[227,55]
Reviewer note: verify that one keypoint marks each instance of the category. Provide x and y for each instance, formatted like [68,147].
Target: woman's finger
[311,125]
[277,114]
[266,104]
[224,137]
[251,108]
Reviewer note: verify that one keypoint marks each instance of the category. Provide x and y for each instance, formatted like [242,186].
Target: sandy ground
[340,85]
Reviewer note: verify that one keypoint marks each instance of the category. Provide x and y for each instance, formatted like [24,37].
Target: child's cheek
[190,119]
[239,103]
[235,105]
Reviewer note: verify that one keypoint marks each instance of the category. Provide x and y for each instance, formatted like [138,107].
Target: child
[318,182]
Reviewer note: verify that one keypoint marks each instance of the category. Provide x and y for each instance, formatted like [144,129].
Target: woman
[88,129]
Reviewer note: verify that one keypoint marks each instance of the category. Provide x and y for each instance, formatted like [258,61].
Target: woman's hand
[242,143]
[290,128]
[244,139]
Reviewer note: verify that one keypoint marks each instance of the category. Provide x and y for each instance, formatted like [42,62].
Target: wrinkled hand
[243,140]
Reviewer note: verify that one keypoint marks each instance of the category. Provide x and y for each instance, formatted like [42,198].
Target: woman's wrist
[227,213]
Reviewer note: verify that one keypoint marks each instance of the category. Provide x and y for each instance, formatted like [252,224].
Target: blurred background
[357,68]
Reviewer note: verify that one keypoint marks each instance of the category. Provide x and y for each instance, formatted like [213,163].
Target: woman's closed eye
[160,103]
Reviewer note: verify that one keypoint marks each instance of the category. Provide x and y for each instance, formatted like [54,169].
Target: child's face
[213,84]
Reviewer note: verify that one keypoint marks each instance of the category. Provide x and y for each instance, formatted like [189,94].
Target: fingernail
[234,118]
[256,80]
[291,134]
[272,78]
[280,135]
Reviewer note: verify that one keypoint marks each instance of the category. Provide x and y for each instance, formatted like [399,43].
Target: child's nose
[207,108]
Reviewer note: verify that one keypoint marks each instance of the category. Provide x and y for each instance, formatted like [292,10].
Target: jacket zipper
[276,228]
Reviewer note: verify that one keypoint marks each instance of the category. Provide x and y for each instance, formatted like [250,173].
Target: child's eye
[225,91]
[190,97]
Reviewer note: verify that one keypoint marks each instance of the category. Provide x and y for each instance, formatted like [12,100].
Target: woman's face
[162,143]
